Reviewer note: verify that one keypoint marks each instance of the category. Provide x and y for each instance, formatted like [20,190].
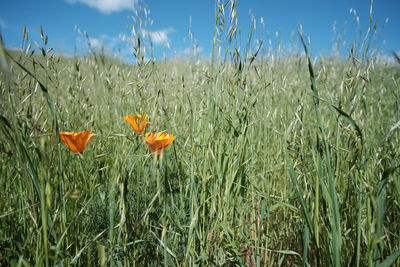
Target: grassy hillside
[277,160]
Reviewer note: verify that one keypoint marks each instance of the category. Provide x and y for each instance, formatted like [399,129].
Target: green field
[278,158]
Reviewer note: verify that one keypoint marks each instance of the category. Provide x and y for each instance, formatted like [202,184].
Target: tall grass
[277,160]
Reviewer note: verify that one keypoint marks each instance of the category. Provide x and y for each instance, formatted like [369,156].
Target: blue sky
[108,22]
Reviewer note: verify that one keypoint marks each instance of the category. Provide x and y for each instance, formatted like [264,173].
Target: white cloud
[95,43]
[158,37]
[104,41]
[193,50]
[3,24]
[108,6]
[121,46]
[386,59]
[115,46]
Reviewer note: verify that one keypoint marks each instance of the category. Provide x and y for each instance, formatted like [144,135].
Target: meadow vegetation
[278,158]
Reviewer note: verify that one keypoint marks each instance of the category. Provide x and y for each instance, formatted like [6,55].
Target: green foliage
[262,171]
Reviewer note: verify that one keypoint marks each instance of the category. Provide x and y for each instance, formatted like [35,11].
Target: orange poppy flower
[76,142]
[138,122]
[158,141]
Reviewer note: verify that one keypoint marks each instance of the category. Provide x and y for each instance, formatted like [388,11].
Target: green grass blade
[389,261]
[336,232]
[45,93]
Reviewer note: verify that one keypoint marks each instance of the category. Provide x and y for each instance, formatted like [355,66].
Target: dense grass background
[277,160]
